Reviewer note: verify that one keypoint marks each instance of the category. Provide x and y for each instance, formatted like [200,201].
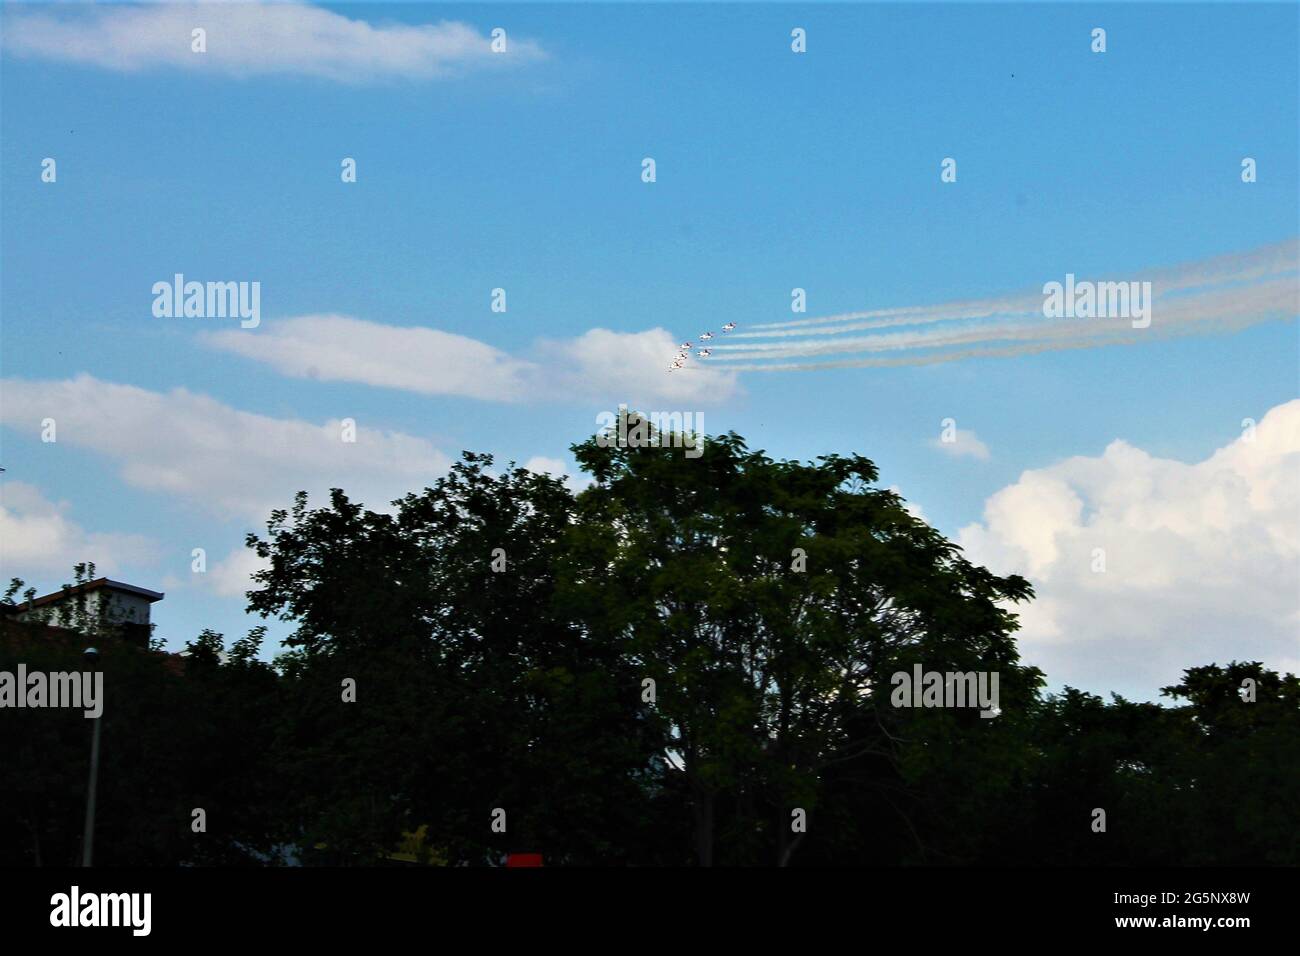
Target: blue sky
[775,170]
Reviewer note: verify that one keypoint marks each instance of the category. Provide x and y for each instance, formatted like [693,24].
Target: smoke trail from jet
[1223,293]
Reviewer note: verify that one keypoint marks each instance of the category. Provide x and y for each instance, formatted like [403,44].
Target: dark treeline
[673,666]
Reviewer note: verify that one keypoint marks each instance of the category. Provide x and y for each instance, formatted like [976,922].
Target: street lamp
[88,837]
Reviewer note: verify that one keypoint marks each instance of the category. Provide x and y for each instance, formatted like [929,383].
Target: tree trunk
[703,806]
[786,843]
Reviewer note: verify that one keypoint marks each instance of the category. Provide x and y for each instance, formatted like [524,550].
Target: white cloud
[336,348]
[547,466]
[911,507]
[1202,561]
[38,537]
[633,367]
[554,466]
[232,463]
[965,444]
[246,39]
[602,365]
[232,575]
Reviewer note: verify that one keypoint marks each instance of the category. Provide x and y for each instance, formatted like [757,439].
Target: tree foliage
[667,667]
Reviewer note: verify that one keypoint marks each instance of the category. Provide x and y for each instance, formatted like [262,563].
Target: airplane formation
[684,350]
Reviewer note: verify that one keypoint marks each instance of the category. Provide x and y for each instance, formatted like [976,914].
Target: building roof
[86,588]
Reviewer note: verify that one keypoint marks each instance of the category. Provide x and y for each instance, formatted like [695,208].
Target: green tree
[770,601]
[475,689]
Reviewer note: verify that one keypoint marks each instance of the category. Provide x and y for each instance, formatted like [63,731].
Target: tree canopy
[689,660]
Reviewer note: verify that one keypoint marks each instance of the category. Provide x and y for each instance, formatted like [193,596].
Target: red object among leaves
[524,859]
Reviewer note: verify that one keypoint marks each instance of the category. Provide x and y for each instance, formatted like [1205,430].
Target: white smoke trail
[1226,292]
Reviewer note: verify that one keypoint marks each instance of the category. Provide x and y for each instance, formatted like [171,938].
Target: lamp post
[88,837]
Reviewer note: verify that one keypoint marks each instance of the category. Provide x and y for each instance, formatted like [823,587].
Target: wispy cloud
[338,348]
[249,39]
[964,444]
[1220,294]
[600,364]
[231,463]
